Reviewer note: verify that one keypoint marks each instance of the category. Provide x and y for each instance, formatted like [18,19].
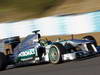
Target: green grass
[27,5]
[22,9]
[14,10]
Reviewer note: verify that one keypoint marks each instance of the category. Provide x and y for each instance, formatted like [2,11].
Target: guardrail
[53,25]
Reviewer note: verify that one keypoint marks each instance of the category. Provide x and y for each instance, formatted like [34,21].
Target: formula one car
[72,49]
[33,49]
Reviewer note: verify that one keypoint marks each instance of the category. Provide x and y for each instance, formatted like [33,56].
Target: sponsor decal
[27,52]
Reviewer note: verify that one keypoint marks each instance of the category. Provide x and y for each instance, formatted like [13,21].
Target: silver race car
[33,49]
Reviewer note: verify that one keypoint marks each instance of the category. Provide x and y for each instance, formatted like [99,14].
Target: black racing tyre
[55,52]
[3,61]
[91,38]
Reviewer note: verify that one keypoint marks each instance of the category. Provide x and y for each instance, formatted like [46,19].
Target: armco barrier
[53,25]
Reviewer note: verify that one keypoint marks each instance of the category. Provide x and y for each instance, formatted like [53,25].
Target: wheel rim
[54,55]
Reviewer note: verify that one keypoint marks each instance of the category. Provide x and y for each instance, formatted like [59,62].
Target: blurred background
[52,17]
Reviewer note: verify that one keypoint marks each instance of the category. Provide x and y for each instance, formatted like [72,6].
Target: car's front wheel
[55,53]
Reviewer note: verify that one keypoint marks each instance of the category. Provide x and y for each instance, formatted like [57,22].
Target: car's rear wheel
[3,62]
[91,38]
[55,53]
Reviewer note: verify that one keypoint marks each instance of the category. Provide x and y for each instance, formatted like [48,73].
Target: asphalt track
[89,66]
